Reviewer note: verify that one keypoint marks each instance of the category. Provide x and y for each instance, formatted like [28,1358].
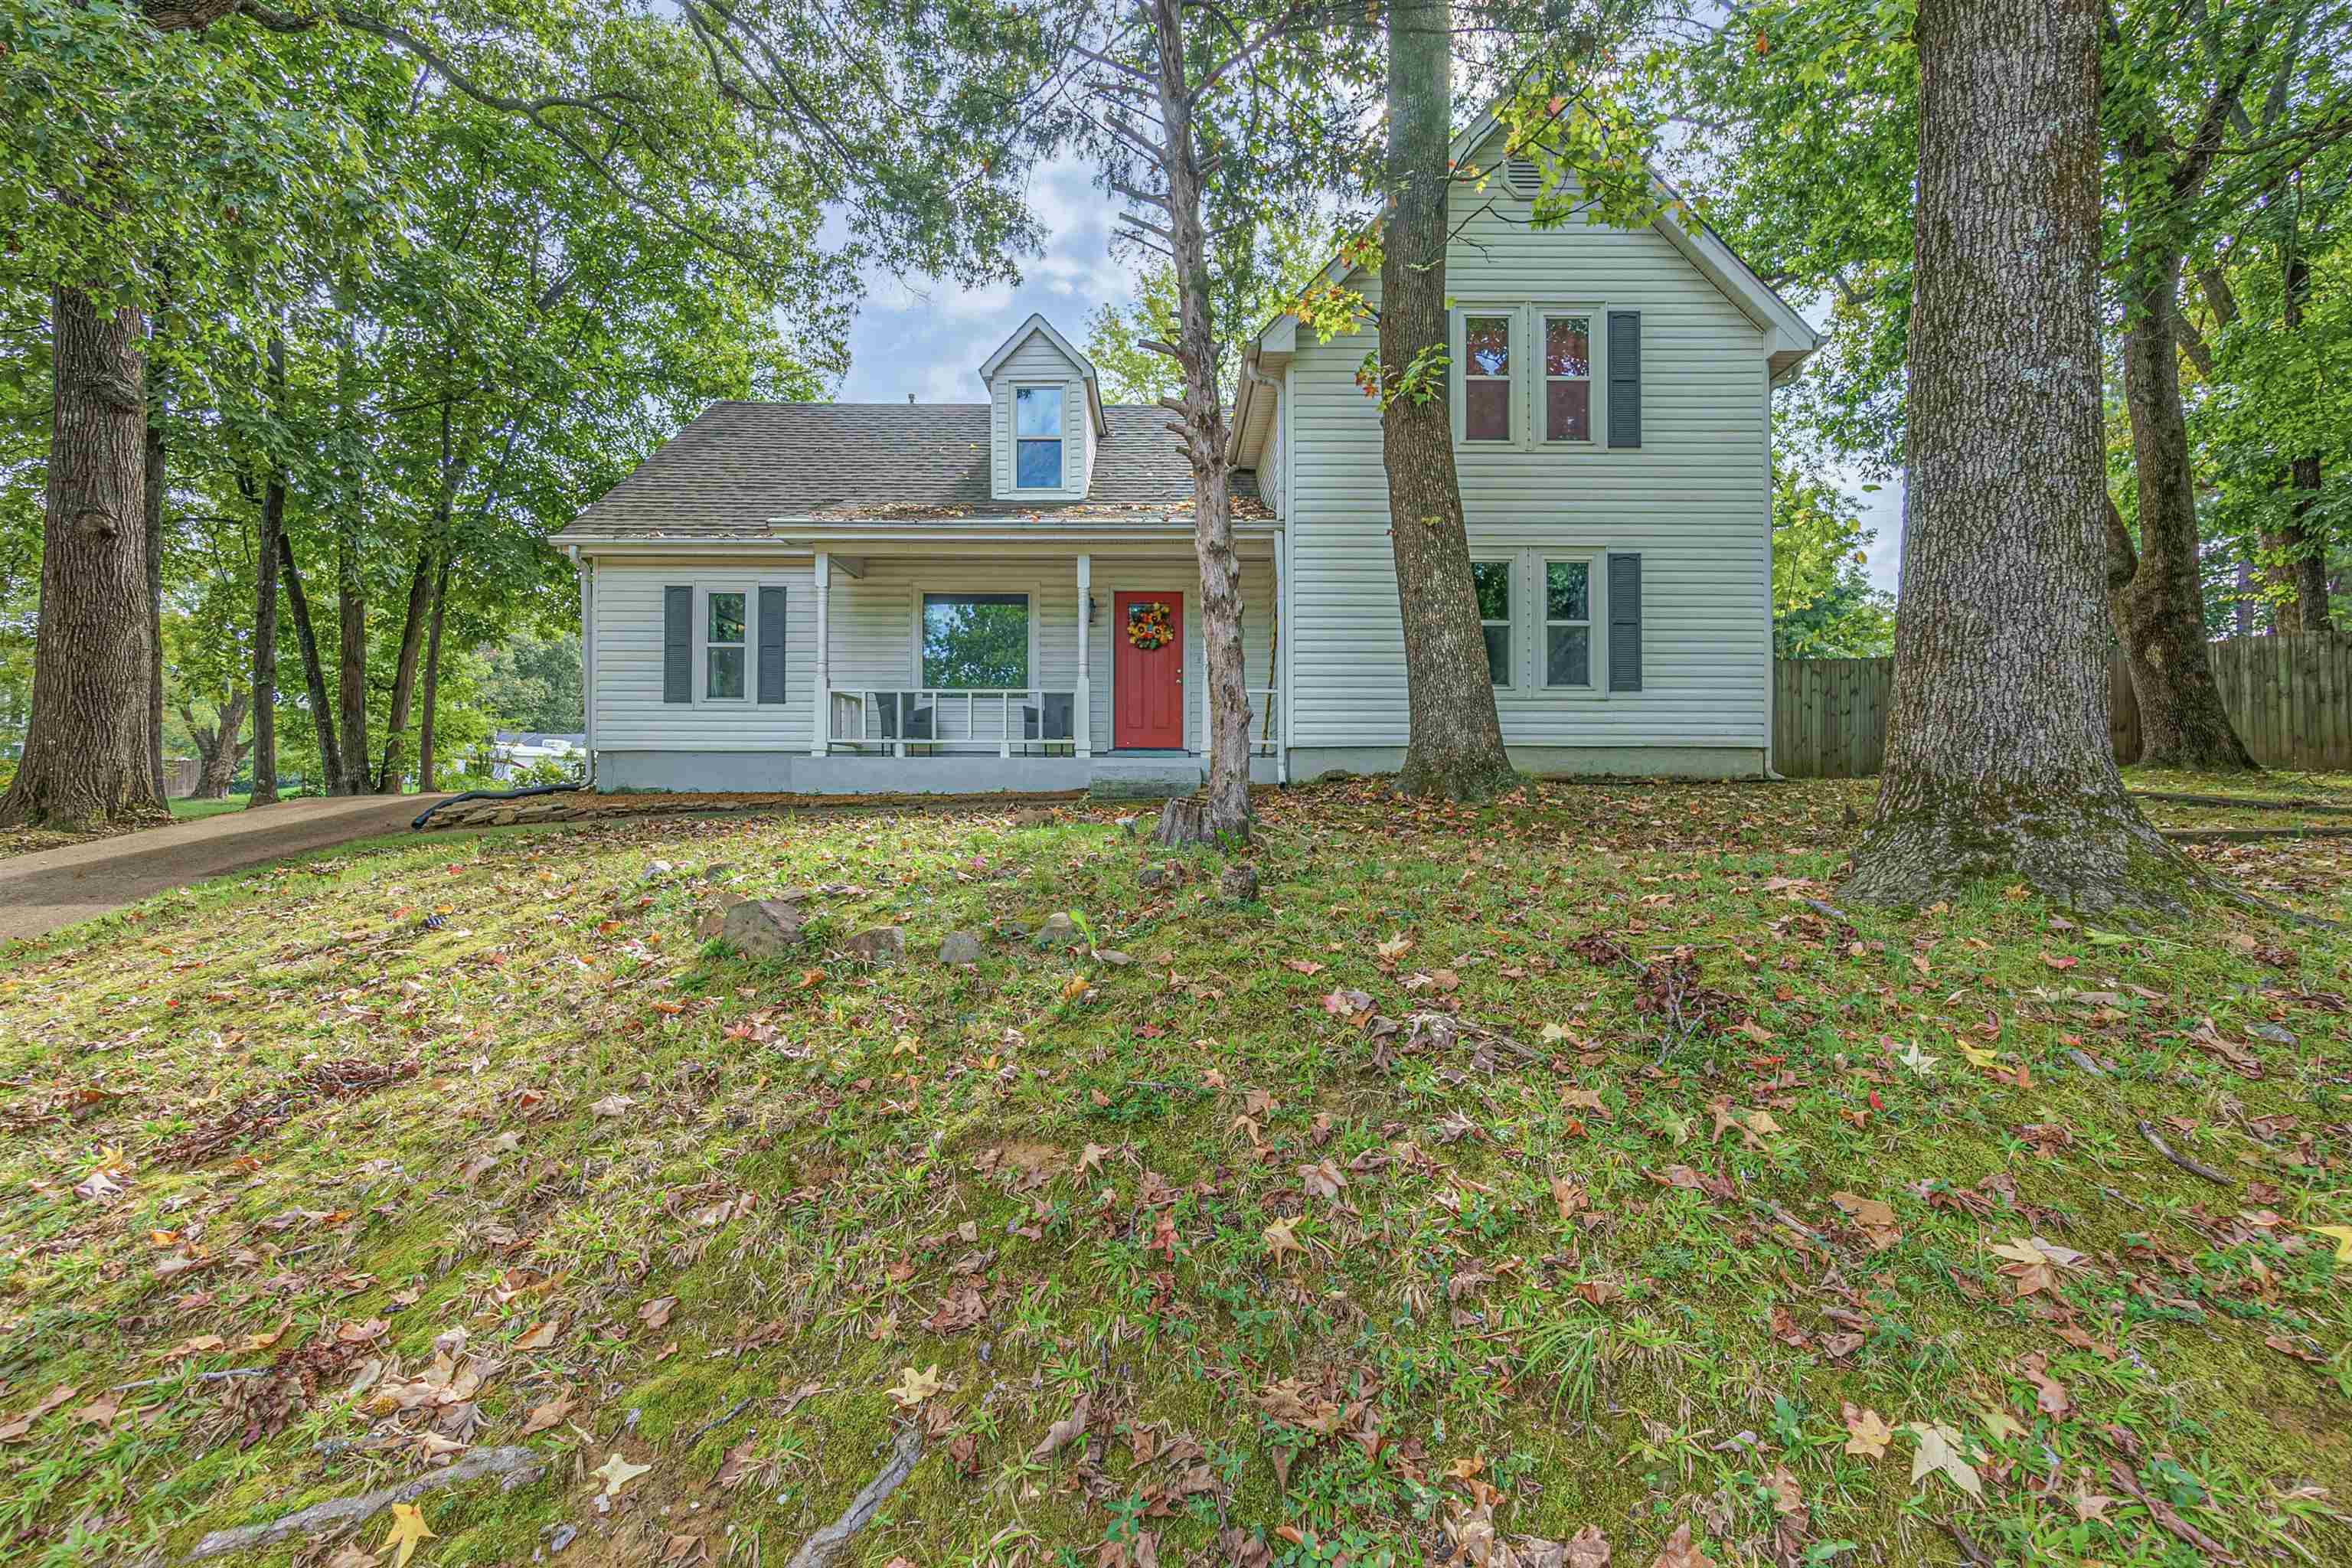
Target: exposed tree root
[2249,834]
[823,1547]
[2240,803]
[517,1463]
[2093,853]
[2194,1167]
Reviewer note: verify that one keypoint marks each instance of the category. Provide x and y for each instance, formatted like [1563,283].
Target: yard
[1573,1169]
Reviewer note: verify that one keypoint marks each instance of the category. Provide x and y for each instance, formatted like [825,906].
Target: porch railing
[966,721]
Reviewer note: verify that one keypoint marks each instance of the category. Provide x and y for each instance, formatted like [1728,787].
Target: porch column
[821,725]
[1082,702]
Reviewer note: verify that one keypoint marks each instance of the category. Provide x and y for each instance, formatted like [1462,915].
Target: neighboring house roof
[541,738]
[740,469]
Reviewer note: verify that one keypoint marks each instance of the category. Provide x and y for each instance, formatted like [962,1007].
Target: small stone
[1113,957]
[1031,818]
[1152,876]
[711,926]
[762,928]
[712,873]
[1239,883]
[503,817]
[1057,930]
[562,1537]
[960,947]
[658,868]
[883,944]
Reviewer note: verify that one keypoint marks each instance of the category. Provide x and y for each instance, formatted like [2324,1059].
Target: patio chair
[1055,724]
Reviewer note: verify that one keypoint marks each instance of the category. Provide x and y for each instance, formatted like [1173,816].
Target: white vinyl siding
[875,644]
[1037,363]
[1693,500]
[630,714]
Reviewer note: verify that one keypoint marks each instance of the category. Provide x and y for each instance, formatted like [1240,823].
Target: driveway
[53,887]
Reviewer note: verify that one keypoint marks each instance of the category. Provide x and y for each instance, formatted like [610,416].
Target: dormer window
[1037,438]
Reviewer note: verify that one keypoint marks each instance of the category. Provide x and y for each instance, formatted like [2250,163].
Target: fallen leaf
[655,1313]
[1280,1237]
[547,1415]
[408,1527]
[2341,1235]
[617,1472]
[914,1387]
[1939,1451]
[1588,1548]
[1678,1551]
[1061,1432]
[1867,1432]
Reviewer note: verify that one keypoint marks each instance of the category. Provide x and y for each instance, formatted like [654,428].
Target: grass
[187,809]
[470,1140]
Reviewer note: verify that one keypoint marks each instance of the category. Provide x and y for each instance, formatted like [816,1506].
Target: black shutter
[677,643]
[771,645]
[1625,378]
[1624,622]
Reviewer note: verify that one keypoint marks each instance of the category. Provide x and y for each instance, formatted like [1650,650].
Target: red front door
[1148,671]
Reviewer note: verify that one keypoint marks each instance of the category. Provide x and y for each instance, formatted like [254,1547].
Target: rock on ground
[883,944]
[762,928]
[959,947]
[1239,883]
[1056,931]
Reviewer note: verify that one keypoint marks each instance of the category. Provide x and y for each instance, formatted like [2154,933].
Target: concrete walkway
[53,887]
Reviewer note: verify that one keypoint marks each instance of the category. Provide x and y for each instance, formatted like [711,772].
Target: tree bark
[314,675]
[157,454]
[86,759]
[217,745]
[2160,617]
[1998,763]
[265,631]
[1225,812]
[403,680]
[350,592]
[427,764]
[2298,549]
[1455,747]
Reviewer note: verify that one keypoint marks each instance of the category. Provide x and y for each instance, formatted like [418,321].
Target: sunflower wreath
[1148,626]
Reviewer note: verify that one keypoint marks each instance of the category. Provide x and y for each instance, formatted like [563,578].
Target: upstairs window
[1037,438]
[724,624]
[1486,378]
[1568,378]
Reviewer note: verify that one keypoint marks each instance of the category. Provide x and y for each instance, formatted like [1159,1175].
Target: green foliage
[1116,331]
[1824,605]
[532,683]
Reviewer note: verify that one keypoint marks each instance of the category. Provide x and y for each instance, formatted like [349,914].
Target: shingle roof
[737,466]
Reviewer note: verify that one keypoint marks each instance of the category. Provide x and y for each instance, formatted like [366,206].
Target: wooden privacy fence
[2290,698]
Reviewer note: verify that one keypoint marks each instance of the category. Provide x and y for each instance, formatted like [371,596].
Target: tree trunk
[2160,617]
[265,635]
[1225,801]
[314,675]
[1998,763]
[1455,743]
[351,593]
[2300,550]
[403,680]
[218,746]
[86,756]
[152,511]
[428,764]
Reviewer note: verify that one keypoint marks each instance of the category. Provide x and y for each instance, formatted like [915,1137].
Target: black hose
[418,825]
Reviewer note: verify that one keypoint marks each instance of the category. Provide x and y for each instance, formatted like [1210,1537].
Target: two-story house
[1002,596]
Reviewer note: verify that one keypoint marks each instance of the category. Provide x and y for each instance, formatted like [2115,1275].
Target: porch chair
[1055,725]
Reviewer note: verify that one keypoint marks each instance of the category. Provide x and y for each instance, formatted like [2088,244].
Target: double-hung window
[726,628]
[1487,372]
[1567,623]
[1492,581]
[1530,376]
[1568,377]
[1037,438]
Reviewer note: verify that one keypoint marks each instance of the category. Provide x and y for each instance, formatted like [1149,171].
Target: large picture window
[1492,581]
[976,642]
[726,623]
[1037,438]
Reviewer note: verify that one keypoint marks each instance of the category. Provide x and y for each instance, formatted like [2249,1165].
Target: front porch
[925,659]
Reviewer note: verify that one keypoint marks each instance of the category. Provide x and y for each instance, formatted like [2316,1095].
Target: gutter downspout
[587,572]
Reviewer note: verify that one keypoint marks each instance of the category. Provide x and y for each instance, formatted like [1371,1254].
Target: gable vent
[1522,176]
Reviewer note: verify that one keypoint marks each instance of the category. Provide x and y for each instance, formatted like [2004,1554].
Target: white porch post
[1205,692]
[821,723]
[1082,703]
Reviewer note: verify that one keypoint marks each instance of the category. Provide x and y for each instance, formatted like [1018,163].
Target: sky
[929,337]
